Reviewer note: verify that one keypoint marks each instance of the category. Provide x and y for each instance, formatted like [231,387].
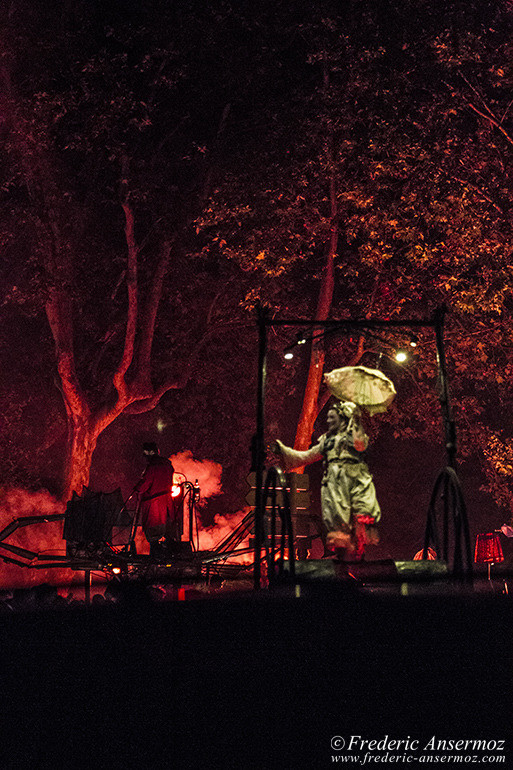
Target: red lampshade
[488,549]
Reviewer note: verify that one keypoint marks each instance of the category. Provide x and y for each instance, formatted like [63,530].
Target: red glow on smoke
[46,538]
[40,538]
[207,472]
[223,527]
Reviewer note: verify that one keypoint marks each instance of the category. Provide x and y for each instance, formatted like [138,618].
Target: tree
[90,112]
[152,156]
[417,111]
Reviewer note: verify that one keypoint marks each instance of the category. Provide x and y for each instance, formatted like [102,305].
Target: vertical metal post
[449,424]
[87,586]
[192,511]
[448,500]
[259,446]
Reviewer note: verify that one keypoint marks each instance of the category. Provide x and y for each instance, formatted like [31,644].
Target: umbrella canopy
[369,388]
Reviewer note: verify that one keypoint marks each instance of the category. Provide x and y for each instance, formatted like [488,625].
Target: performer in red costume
[158,515]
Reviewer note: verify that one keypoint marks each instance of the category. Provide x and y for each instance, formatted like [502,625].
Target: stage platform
[252,681]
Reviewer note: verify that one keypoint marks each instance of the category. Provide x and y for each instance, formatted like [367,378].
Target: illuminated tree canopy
[168,166]
[407,117]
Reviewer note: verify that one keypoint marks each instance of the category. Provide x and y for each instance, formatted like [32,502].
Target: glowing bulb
[401,356]
[116,571]
[175,490]
[301,341]
[288,355]
[414,341]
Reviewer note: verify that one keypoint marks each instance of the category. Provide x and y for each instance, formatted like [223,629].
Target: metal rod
[87,585]
[447,499]
[133,528]
[357,323]
[24,521]
[271,566]
[19,551]
[259,447]
[448,421]
[192,495]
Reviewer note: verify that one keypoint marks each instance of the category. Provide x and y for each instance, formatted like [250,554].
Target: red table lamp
[488,550]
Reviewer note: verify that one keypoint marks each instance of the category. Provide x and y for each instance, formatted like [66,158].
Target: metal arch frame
[276,570]
[436,322]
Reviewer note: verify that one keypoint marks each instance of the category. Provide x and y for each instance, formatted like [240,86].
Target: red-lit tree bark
[316,369]
[311,404]
[418,189]
[134,391]
[129,386]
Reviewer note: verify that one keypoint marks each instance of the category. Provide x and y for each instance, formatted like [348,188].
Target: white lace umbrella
[369,388]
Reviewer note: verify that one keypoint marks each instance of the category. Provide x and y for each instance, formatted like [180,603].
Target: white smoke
[223,527]
[46,538]
[207,472]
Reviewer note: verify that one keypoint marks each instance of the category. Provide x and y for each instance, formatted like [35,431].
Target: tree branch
[146,403]
[467,183]
[143,368]
[59,315]
[317,354]
[138,406]
[489,115]
[506,111]
[58,306]
[490,118]
[38,173]
[131,282]
[207,183]
[478,94]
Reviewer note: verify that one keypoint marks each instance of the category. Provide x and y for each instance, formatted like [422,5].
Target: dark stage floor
[257,680]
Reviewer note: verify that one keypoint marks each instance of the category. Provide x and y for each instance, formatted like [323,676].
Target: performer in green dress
[350,509]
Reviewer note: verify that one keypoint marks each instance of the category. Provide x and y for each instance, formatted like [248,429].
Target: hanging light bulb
[401,356]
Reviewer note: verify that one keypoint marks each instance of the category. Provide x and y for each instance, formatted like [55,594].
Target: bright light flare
[178,480]
[289,355]
[401,356]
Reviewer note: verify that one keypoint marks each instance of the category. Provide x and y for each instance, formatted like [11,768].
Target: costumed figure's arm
[144,483]
[356,435]
[359,438]
[293,458]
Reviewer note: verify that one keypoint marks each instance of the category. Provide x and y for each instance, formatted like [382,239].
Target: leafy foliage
[417,103]
[222,127]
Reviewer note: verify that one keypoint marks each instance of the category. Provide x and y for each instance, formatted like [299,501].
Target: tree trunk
[311,396]
[82,438]
[310,399]
[315,372]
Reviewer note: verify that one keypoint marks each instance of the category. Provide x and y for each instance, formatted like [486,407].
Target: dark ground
[251,681]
